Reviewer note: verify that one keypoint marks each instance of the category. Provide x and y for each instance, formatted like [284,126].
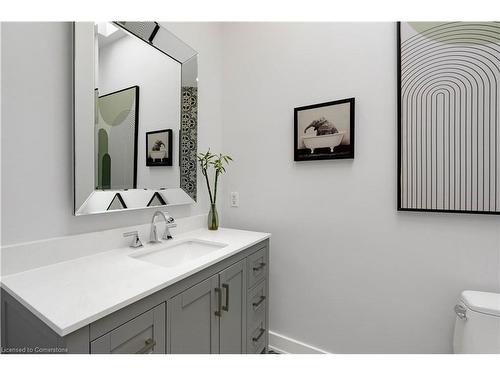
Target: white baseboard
[287,345]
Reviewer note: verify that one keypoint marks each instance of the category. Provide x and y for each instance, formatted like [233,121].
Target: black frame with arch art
[324,131]
[448,117]
[159,148]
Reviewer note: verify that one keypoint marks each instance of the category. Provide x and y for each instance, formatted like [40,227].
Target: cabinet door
[193,325]
[233,317]
[142,335]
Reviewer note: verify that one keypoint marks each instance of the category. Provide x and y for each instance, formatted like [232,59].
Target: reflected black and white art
[448,117]
[159,148]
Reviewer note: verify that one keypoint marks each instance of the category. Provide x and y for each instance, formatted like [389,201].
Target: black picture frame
[325,153]
[136,123]
[399,177]
[167,160]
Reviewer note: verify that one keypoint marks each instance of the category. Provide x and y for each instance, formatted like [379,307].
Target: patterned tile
[189,136]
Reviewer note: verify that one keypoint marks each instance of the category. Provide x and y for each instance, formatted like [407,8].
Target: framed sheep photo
[324,131]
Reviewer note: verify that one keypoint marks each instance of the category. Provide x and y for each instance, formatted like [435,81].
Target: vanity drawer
[144,334]
[257,339]
[257,318]
[256,304]
[257,267]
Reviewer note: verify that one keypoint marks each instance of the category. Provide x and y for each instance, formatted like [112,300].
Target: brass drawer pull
[226,308]
[150,343]
[219,302]
[257,338]
[257,304]
[261,266]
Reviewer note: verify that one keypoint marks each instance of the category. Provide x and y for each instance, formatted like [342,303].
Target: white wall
[36,140]
[349,274]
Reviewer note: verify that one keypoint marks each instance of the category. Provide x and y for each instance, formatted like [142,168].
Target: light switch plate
[235,199]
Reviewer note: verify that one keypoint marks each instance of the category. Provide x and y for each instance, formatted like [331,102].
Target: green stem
[215,188]
[204,171]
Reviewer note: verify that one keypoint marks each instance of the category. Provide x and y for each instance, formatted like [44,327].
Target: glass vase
[213,218]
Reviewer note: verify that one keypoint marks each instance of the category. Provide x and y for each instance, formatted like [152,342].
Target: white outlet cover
[235,199]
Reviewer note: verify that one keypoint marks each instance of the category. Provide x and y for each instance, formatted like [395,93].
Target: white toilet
[477,326]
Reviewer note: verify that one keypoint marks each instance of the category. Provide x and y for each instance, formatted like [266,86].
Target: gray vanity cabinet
[222,308]
[257,307]
[144,334]
[233,309]
[193,328]
[210,317]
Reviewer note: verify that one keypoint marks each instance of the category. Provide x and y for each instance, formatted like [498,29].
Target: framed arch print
[449,117]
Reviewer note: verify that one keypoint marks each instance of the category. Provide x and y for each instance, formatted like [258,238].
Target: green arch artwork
[116,139]
[436,31]
[104,161]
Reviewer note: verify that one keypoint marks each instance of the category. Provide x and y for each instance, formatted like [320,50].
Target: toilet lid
[483,302]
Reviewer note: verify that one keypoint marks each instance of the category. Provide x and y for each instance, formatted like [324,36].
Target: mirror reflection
[136,147]
[138,112]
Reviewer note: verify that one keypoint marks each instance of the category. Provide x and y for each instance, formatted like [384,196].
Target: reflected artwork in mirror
[135,117]
[116,139]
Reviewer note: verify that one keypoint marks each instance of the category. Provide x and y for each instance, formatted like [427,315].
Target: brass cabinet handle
[257,304]
[257,338]
[219,301]
[226,308]
[150,343]
[261,266]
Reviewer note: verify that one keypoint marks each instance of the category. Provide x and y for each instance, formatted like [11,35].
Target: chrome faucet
[169,223]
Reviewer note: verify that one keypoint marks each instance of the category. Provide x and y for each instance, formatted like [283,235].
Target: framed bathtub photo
[159,148]
[324,131]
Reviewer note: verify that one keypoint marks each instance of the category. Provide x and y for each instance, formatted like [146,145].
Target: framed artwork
[117,127]
[159,148]
[449,117]
[324,131]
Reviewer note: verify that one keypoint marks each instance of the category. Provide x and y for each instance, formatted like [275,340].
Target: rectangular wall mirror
[135,117]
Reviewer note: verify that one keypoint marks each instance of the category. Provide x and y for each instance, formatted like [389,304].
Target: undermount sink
[177,253]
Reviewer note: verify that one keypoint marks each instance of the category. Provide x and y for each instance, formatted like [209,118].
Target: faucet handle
[136,242]
[166,234]
[169,218]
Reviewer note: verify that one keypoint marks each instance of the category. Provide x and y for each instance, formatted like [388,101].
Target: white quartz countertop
[71,294]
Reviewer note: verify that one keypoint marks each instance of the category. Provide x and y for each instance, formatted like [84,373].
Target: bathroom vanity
[202,292]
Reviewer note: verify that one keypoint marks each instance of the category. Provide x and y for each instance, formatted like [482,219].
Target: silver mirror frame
[87,200]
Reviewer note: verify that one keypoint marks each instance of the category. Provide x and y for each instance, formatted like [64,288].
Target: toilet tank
[477,325]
